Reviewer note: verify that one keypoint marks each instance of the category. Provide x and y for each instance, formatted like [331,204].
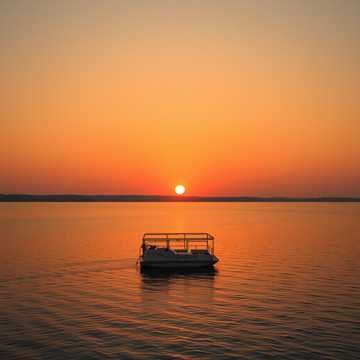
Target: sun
[180,189]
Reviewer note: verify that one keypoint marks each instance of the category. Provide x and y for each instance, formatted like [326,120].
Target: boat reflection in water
[179,293]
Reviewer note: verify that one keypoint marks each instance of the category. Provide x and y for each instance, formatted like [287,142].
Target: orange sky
[229,98]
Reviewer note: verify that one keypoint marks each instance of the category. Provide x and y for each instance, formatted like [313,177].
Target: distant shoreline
[164,198]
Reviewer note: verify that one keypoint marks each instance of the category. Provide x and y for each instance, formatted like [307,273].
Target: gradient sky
[226,97]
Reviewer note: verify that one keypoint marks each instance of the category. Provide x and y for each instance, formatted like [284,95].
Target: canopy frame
[181,241]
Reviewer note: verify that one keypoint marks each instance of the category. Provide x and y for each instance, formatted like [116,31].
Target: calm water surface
[287,285]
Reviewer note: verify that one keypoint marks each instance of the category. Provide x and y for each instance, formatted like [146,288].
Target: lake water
[287,285]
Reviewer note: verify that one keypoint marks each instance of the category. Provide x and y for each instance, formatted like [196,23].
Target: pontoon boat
[177,250]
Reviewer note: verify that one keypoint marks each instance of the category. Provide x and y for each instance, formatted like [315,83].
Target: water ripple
[275,294]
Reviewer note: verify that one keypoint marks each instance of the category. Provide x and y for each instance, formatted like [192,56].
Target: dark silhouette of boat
[177,251]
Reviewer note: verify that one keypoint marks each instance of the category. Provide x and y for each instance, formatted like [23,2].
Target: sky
[226,97]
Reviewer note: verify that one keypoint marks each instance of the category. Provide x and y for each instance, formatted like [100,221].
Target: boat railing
[193,240]
[178,236]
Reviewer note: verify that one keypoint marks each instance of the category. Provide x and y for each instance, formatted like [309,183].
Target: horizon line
[23,197]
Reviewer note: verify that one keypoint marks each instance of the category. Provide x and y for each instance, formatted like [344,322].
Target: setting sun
[180,189]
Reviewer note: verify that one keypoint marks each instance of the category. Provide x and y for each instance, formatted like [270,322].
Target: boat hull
[176,264]
[149,265]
